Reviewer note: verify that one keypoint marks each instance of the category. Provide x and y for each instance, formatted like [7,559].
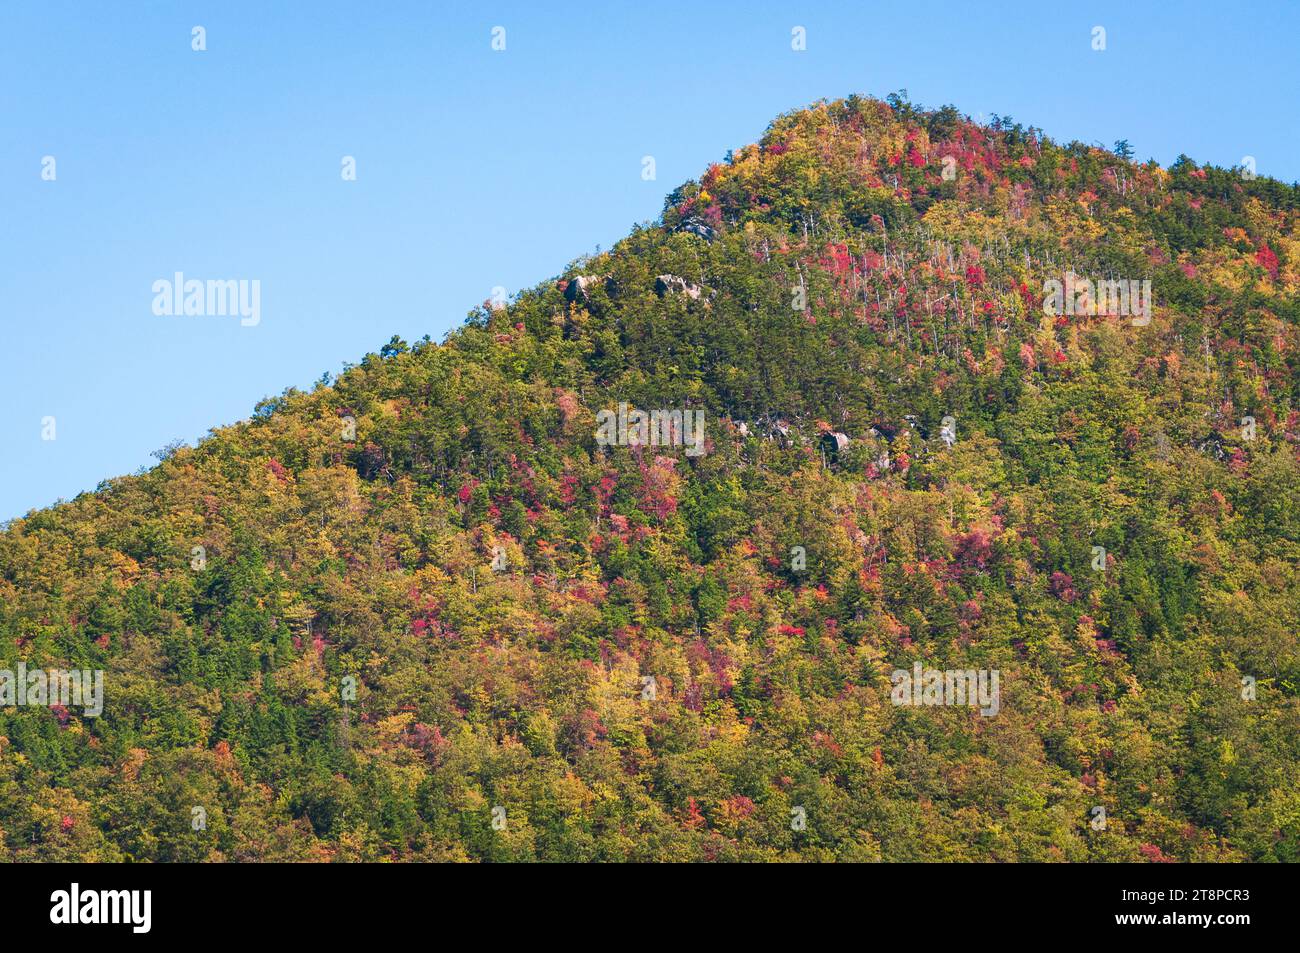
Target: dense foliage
[845,284]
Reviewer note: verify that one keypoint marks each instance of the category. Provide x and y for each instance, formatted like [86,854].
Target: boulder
[833,442]
[580,287]
[672,284]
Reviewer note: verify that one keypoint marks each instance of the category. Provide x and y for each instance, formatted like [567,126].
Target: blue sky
[475,168]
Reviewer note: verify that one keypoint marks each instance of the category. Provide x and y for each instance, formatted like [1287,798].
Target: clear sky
[475,168]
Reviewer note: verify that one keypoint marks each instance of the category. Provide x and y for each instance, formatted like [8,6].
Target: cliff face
[911,490]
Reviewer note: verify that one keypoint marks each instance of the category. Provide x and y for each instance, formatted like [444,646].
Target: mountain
[960,406]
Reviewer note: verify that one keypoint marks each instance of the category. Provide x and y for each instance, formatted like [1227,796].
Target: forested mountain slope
[689,656]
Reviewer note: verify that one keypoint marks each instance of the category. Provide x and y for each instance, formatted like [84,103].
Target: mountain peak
[915,478]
